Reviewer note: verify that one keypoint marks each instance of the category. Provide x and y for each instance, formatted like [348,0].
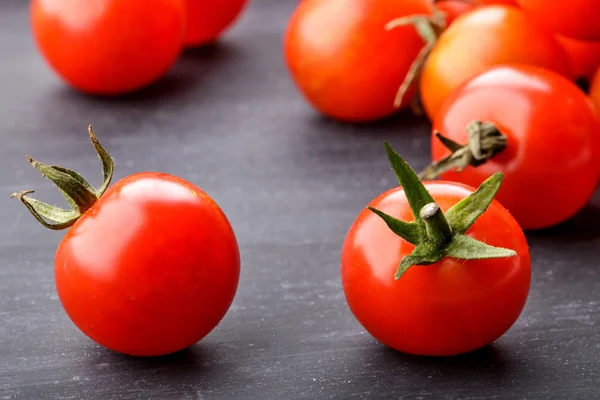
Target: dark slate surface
[291,182]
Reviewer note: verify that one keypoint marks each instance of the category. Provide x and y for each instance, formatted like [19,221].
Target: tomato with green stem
[206,20]
[435,268]
[344,61]
[149,266]
[536,127]
[108,47]
[573,18]
[480,39]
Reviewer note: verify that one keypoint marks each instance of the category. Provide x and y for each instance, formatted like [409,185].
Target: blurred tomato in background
[108,47]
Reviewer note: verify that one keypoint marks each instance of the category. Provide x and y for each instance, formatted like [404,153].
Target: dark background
[291,182]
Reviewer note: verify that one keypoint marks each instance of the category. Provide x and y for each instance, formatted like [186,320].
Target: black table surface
[229,119]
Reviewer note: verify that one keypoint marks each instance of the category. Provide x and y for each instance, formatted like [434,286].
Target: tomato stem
[485,142]
[434,233]
[77,191]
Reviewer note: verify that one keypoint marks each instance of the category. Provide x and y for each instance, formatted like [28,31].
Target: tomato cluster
[112,47]
[431,267]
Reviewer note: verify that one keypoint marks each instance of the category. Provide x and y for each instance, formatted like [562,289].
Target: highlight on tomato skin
[440,308]
[207,20]
[149,266]
[551,143]
[344,62]
[84,43]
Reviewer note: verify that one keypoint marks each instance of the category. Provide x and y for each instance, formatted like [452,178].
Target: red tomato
[552,136]
[453,8]
[573,18]
[498,2]
[584,56]
[485,37]
[150,268]
[208,19]
[446,308]
[345,62]
[108,47]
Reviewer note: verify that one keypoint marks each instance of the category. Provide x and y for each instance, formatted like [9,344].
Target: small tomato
[461,263]
[344,61]
[108,47]
[149,266]
[482,38]
[532,124]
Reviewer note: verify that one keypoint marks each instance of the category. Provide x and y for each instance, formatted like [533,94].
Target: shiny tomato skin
[208,19]
[498,2]
[484,37]
[584,56]
[149,269]
[108,47]
[343,60]
[551,162]
[447,308]
[453,8]
[574,18]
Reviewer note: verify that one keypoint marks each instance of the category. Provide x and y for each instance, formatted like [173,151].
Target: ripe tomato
[208,19]
[584,56]
[551,130]
[108,47]
[453,8]
[448,307]
[149,268]
[482,38]
[344,61]
[573,18]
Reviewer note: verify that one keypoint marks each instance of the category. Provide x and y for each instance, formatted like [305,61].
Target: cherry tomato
[584,56]
[446,308]
[485,37]
[573,18]
[108,47]
[551,127]
[150,268]
[344,61]
[453,8]
[208,19]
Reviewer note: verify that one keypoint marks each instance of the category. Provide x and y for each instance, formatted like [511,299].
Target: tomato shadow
[490,363]
[184,373]
[176,87]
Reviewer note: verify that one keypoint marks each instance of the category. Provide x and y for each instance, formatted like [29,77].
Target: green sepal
[466,248]
[408,231]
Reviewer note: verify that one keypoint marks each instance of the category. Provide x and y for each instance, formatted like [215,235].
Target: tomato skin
[584,56]
[595,90]
[447,308]
[485,37]
[108,47]
[343,60]
[498,2]
[551,162]
[151,268]
[573,18]
[208,19]
[453,8]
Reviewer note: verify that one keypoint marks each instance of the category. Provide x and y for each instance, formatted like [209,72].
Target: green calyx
[434,233]
[77,191]
[485,142]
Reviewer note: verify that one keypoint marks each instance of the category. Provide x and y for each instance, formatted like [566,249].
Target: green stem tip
[434,233]
[77,191]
